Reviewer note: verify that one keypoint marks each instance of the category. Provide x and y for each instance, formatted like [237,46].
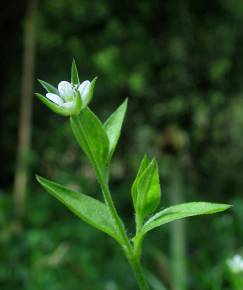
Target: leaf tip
[226,206]
[41,82]
[94,79]
[38,178]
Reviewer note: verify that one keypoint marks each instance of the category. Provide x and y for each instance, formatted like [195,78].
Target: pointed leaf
[143,165]
[90,210]
[182,211]
[113,125]
[92,138]
[148,191]
[74,74]
[49,88]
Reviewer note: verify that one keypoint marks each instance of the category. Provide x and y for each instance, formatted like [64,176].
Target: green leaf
[92,138]
[49,88]
[74,74]
[144,163]
[90,210]
[113,126]
[148,189]
[182,211]
[55,108]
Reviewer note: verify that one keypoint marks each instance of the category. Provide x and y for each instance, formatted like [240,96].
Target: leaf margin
[47,185]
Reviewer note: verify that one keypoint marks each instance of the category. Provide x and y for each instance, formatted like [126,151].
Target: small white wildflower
[68,93]
[236,264]
[69,98]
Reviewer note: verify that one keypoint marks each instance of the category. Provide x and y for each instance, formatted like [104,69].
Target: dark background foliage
[181,65]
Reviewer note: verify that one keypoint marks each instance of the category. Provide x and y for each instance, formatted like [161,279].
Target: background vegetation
[181,65]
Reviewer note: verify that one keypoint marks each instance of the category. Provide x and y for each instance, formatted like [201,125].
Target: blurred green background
[181,65]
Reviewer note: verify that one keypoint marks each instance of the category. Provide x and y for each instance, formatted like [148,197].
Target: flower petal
[68,105]
[84,89]
[65,90]
[54,98]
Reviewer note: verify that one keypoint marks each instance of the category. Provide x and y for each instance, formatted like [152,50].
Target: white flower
[236,264]
[68,98]
[68,94]
[54,98]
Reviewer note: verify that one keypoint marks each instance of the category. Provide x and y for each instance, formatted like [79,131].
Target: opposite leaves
[90,210]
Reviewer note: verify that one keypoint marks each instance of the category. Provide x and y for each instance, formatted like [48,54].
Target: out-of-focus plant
[235,268]
[98,141]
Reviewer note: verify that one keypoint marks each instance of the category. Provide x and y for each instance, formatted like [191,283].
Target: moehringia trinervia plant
[98,141]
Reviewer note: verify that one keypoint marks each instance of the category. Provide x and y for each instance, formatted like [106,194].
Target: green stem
[137,245]
[126,244]
[127,247]
[138,273]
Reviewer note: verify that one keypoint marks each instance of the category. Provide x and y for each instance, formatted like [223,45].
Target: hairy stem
[126,244]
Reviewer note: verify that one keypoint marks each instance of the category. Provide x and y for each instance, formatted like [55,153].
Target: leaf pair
[98,141]
[146,197]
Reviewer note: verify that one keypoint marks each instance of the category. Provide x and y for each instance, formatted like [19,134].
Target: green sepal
[88,209]
[49,88]
[59,109]
[113,126]
[55,108]
[74,74]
